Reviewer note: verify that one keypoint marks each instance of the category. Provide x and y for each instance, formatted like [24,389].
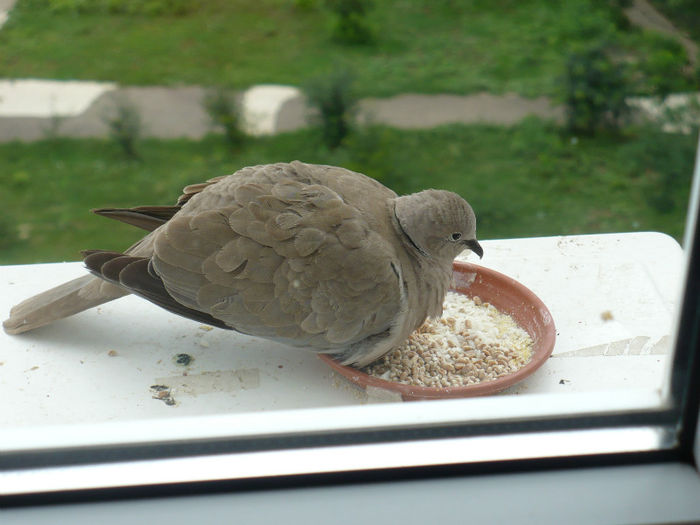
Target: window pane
[572,136]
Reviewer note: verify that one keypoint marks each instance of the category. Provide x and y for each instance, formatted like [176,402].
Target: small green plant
[350,25]
[224,113]
[124,125]
[335,101]
[53,129]
[595,90]
[664,68]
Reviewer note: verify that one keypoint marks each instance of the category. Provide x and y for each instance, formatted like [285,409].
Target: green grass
[528,180]
[428,46]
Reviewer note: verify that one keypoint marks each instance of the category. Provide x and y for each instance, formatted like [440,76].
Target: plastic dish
[508,296]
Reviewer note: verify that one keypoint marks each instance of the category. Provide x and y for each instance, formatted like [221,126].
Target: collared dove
[313,256]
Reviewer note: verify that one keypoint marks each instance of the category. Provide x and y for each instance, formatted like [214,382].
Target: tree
[595,90]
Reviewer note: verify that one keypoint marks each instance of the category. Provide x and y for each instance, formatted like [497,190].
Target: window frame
[409,452]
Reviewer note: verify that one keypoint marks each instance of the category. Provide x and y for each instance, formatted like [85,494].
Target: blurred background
[549,117]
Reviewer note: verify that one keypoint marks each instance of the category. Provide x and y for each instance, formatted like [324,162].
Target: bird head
[439,224]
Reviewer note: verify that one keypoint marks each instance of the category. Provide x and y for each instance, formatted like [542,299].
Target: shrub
[595,90]
[224,113]
[664,68]
[351,25]
[124,126]
[336,102]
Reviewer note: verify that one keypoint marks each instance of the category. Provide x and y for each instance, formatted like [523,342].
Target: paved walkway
[56,108]
[35,109]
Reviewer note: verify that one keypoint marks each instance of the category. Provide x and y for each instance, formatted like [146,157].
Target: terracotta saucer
[508,296]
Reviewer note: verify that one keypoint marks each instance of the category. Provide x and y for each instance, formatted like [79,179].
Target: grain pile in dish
[472,342]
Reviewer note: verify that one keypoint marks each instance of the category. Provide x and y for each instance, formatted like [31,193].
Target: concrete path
[416,111]
[34,110]
[425,111]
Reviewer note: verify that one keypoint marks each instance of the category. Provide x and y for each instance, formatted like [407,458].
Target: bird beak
[474,246]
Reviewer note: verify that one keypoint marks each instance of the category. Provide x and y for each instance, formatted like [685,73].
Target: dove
[309,255]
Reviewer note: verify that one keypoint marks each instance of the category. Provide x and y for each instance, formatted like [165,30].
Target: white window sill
[86,380]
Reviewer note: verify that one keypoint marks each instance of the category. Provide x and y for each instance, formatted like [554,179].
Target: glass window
[582,207]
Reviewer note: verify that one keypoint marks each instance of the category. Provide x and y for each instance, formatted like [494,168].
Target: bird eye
[456,236]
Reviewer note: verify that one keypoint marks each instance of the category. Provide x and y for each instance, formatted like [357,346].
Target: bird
[310,255]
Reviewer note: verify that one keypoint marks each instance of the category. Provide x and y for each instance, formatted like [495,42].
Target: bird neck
[433,286]
[425,277]
[404,235]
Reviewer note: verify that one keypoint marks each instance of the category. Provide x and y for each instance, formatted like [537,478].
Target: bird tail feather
[62,301]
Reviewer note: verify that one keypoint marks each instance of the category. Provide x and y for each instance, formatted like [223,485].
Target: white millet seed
[472,342]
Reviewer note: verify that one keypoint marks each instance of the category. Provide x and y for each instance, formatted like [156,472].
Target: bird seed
[471,343]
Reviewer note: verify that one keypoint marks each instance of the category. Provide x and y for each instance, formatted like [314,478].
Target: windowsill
[86,380]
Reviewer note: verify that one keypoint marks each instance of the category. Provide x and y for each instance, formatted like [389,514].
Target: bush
[336,102]
[125,126]
[664,68]
[595,91]
[351,25]
[225,113]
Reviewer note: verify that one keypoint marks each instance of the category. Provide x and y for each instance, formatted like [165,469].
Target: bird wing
[136,275]
[273,256]
[151,217]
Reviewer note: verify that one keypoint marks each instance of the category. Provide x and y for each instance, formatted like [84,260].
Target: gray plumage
[313,256]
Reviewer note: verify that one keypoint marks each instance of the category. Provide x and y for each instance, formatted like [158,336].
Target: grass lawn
[528,180]
[428,46]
